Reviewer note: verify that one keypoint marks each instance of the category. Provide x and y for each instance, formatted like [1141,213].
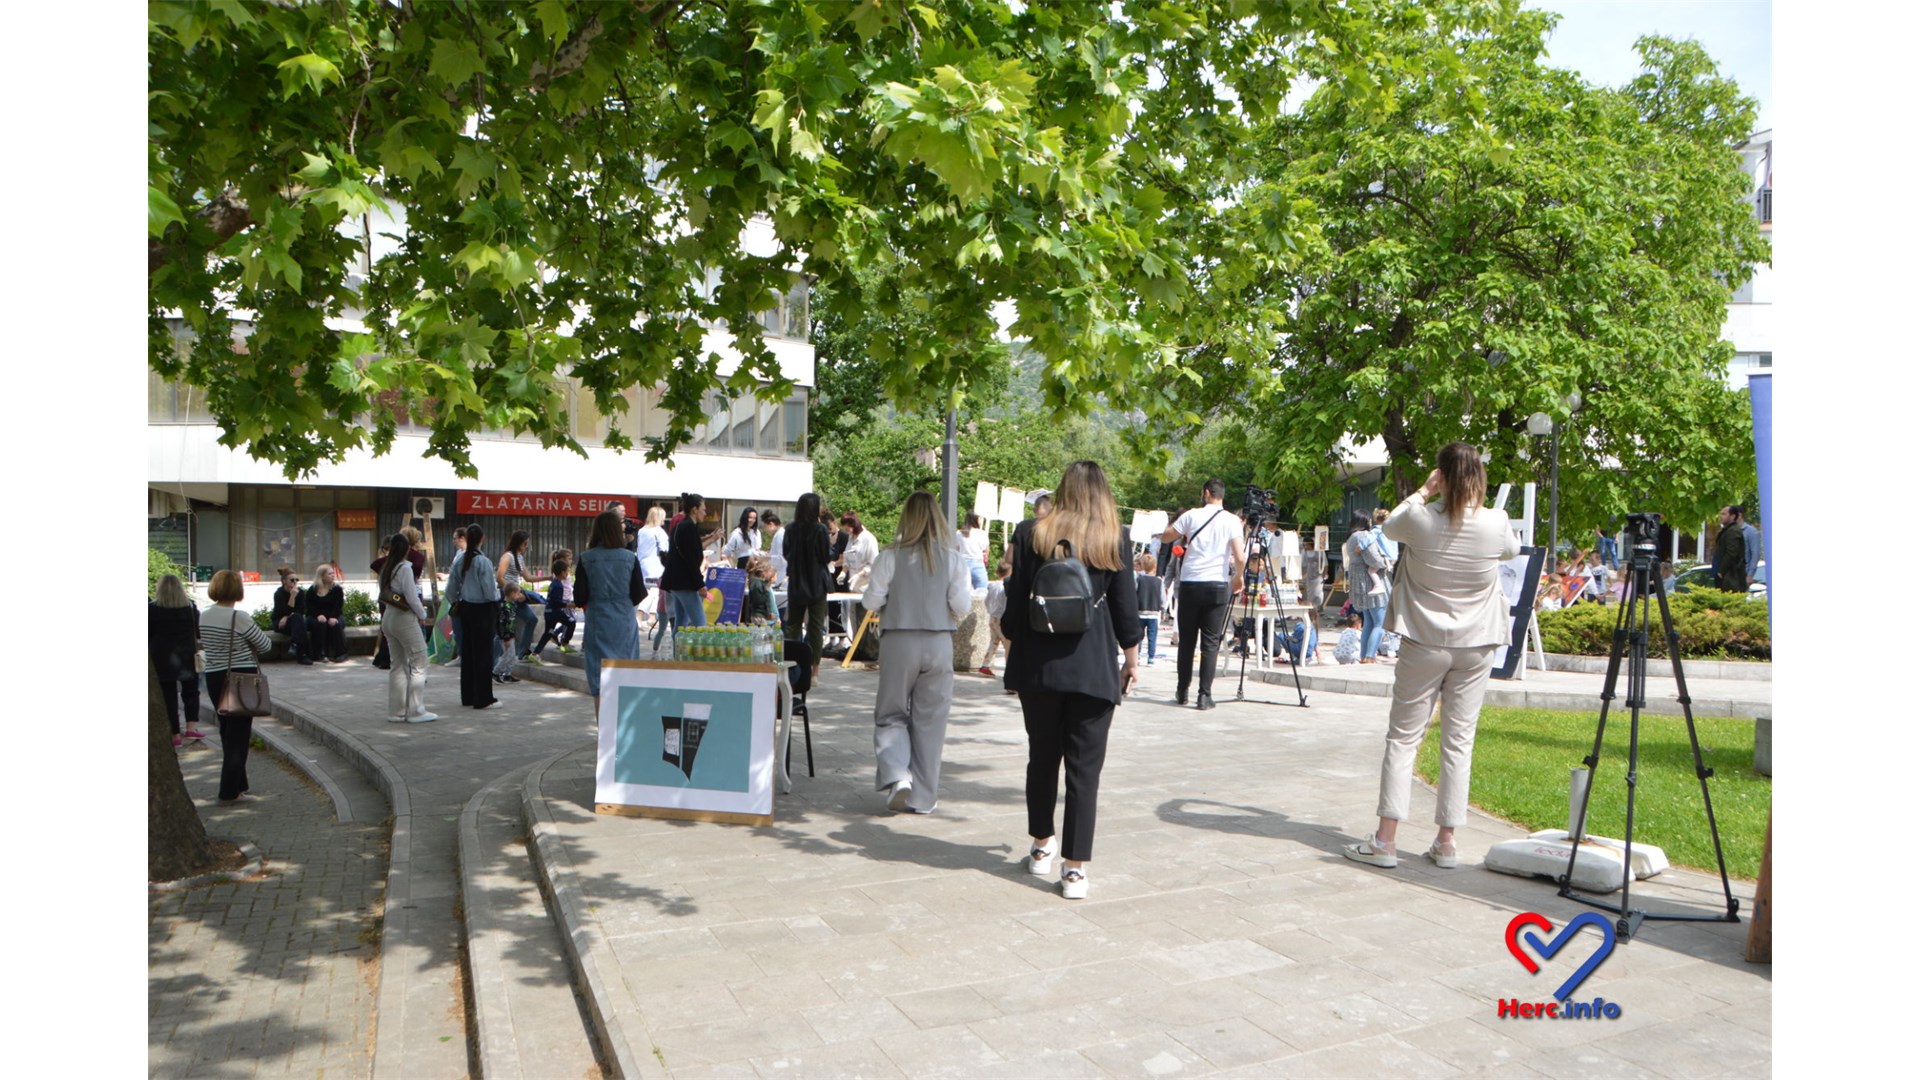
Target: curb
[1744,670]
[1519,698]
[390,1001]
[492,1016]
[342,808]
[608,998]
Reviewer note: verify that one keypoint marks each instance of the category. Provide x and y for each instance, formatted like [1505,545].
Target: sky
[1595,38]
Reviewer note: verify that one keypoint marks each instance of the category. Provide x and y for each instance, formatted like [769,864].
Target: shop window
[316,539]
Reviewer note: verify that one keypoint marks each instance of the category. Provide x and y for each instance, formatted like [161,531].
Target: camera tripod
[1245,608]
[1643,586]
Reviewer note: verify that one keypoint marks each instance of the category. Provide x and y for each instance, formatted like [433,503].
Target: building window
[795,415]
[1751,362]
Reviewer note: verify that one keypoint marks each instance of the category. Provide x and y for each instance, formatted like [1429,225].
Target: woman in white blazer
[1451,616]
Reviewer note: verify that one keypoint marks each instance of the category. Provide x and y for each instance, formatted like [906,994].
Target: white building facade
[1749,324]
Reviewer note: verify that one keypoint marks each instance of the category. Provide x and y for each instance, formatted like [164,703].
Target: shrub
[159,566]
[359,609]
[1712,625]
[263,618]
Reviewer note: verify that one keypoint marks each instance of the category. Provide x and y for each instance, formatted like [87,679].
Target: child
[561,616]
[996,607]
[1149,591]
[1389,645]
[508,628]
[1347,651]
[760,589]
[1300,640]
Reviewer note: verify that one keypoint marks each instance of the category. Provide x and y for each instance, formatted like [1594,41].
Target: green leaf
[161,211]
[553,19]
[308,70]
[456,60]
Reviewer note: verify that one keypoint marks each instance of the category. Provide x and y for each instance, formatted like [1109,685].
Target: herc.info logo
[1562,1007]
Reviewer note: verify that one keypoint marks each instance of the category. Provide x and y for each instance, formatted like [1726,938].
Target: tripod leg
[1700,768]
[1578,826]
[1636,700]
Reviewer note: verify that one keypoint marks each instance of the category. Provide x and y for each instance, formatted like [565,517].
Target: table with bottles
[762,644]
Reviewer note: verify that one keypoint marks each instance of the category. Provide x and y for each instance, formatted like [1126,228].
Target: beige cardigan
[1446,589]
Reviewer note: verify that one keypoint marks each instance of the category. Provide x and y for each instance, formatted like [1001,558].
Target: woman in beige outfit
[1447,607]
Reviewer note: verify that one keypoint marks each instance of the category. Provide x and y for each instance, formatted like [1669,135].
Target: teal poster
[684,738]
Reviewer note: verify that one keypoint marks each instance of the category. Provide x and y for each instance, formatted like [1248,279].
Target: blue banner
[1760,391]
[732,583]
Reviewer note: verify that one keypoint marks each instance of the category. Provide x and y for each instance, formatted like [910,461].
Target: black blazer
[684,550]
[1069,663]
[806,554]
[173,633]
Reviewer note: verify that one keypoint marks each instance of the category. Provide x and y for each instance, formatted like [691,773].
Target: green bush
[1712,625]
[263,619]
[359,609]
[159,566]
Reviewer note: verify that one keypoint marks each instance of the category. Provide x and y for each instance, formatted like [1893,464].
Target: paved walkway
[1224,933]
[275,975]
[846,941]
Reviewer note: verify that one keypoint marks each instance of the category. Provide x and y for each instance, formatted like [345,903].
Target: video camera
[1258,506]
[1643,530]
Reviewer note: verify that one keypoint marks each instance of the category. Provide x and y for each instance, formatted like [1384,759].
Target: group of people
[1429,568]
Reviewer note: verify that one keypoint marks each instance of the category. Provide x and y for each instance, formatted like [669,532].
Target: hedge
[1713,625]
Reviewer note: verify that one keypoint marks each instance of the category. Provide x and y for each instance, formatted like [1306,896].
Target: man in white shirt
[1212,573]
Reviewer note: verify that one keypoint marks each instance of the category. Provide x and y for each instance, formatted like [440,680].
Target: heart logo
[1547,949]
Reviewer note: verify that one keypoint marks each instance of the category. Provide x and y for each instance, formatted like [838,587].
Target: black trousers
[327,641]
[1071,728]
[815,627]
[183,699]
[477,626]
[295,627]
[1203,611]
[236,736]
[559,629]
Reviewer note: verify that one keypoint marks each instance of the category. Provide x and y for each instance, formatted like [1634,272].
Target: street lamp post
[1542,424]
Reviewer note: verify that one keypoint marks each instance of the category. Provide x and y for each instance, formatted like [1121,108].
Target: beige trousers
[1459,678]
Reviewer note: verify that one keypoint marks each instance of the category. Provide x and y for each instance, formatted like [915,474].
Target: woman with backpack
[922,589]
[1071,605]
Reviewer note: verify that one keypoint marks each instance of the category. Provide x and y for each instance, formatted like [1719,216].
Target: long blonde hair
[1084,515]
[323,575]
[168,592]
[923,530]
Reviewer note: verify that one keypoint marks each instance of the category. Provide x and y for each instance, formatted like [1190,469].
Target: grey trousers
[910,711]
[1458,677]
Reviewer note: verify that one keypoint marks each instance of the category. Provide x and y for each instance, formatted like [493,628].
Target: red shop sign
[542,503]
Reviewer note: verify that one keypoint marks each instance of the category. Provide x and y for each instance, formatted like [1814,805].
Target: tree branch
[225,215]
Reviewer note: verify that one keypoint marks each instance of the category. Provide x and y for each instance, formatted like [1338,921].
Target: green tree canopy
[574,177]
[1586,240]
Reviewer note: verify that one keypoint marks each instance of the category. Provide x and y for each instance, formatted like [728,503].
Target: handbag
[245,692]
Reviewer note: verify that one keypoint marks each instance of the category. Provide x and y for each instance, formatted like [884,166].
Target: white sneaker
[423,718]
[1040,861]
[1443,857]
[897,801]
[396,719]
[1372,853]
[1073,883]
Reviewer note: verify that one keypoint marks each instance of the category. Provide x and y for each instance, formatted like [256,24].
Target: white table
[1266,617]
[846,600]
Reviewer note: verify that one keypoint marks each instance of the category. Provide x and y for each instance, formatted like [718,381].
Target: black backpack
[1062,600]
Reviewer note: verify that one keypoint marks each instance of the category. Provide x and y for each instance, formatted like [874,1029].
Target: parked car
[1701,577]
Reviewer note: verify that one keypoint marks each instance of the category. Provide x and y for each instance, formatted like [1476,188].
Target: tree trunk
[176,841]
[1401,453]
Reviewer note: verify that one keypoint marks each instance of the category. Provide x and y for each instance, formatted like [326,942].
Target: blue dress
[605,582]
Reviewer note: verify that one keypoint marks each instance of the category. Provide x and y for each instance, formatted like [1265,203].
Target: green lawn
[1521,758]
